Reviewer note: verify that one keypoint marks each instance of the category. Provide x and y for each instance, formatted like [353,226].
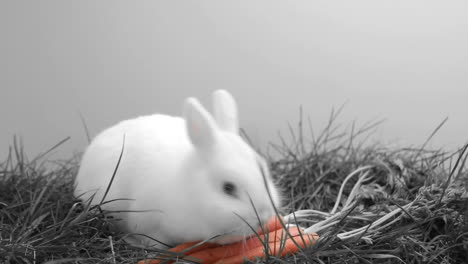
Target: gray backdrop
[406,61]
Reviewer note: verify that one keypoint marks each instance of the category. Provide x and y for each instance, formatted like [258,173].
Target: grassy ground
[420,193]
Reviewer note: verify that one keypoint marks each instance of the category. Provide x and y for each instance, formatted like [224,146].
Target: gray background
[406,61]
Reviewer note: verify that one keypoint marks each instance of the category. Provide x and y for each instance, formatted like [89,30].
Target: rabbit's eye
[230,189]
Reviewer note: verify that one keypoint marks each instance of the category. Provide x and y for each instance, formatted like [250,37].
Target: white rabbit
[179,179]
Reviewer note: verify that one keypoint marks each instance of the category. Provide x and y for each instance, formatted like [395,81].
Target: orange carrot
[276,249]
[188,245]
[272,224]
[278,239]
[212,254]
[180,248]
[281,234]
[149,261]
[240,248]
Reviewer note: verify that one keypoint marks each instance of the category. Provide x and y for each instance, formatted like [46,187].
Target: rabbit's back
[152,149]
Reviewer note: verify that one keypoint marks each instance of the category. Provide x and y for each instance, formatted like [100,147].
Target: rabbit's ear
[201,128]
[225,111]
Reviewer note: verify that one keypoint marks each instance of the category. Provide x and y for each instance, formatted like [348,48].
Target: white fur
[170,180]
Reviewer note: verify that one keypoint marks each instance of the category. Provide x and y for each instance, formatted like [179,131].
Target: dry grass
[420,195]
[40,221]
